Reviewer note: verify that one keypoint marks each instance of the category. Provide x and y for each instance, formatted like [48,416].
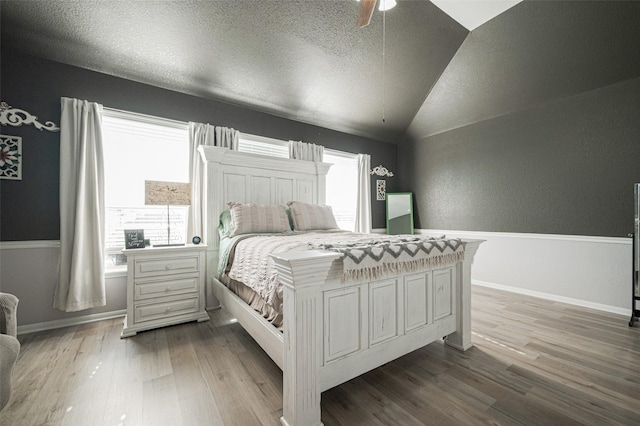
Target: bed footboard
[336,331]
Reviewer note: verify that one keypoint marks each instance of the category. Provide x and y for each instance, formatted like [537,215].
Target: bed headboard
[252,178]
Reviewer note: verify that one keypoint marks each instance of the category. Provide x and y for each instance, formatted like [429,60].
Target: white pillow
[257,218]
[308,217]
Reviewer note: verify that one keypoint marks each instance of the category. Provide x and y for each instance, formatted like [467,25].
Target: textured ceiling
[304,60]
[473,13]
[535,52]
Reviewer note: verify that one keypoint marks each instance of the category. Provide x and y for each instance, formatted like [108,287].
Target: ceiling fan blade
[366,11]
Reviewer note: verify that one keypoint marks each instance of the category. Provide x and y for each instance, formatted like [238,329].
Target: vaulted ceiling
[304,60]
[536,52]
[307,60]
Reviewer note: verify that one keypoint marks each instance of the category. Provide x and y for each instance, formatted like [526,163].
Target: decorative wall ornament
[10,116]
[381,171]
[10,157]
[381,190]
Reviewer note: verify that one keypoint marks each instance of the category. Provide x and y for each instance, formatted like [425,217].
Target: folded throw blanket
[369,258]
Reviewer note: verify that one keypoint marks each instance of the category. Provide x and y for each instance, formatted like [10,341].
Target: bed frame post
[212,188]
[302,274]
[461,339]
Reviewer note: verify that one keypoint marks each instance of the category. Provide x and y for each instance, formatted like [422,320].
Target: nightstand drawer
[163,266]
[165,286]
[163,310]
[157,288]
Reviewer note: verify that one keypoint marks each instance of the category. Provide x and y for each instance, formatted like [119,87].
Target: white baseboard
[555,298]
[68,322]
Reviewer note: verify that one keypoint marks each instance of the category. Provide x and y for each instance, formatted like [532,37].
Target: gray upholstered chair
[9,345]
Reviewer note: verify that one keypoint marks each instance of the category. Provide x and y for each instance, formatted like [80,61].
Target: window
[342,179]
[342,187]
[264,146]
[138,148]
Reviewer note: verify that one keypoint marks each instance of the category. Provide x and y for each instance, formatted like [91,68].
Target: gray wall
[566,167]
[30,206]
[534,126]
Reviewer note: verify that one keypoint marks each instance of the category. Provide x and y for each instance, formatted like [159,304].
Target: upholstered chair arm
[8,314]
[9,345]
[9,350]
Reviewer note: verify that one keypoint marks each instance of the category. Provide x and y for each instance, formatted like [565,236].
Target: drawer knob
[168,309]
[168,267]
[168,288]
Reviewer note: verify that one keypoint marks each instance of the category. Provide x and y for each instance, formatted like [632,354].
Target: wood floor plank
[160,402]
[534,362]
[184,362]
[348,414]
[224,377]
[420,405]
[200,409]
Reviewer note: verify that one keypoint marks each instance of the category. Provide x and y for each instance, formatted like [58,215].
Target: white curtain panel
[81,282]
[204,134]
[227,137]
[363,202]
[199,134]
[305,151]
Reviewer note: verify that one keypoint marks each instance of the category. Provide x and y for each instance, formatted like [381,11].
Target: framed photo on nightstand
[134,238]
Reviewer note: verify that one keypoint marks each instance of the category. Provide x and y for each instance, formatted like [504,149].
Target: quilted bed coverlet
[366,256]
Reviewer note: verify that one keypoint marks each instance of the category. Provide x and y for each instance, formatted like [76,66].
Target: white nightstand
[165,286]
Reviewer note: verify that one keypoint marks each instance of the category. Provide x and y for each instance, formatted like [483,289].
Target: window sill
[118,272]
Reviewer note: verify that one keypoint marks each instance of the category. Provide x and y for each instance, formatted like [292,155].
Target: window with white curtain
[342,179]
[138,148]
[342,186]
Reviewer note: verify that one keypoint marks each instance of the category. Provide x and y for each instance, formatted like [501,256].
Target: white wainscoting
[29,270]
[593,272]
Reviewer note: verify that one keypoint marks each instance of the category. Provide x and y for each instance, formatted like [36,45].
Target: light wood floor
[534,362]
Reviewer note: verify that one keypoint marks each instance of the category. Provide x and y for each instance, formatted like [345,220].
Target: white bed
[333,331]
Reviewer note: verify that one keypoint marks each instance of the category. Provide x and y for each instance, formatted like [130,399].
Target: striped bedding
[245,260]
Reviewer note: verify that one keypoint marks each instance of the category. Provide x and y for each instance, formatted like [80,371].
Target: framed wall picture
[10,157]
[381,190]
